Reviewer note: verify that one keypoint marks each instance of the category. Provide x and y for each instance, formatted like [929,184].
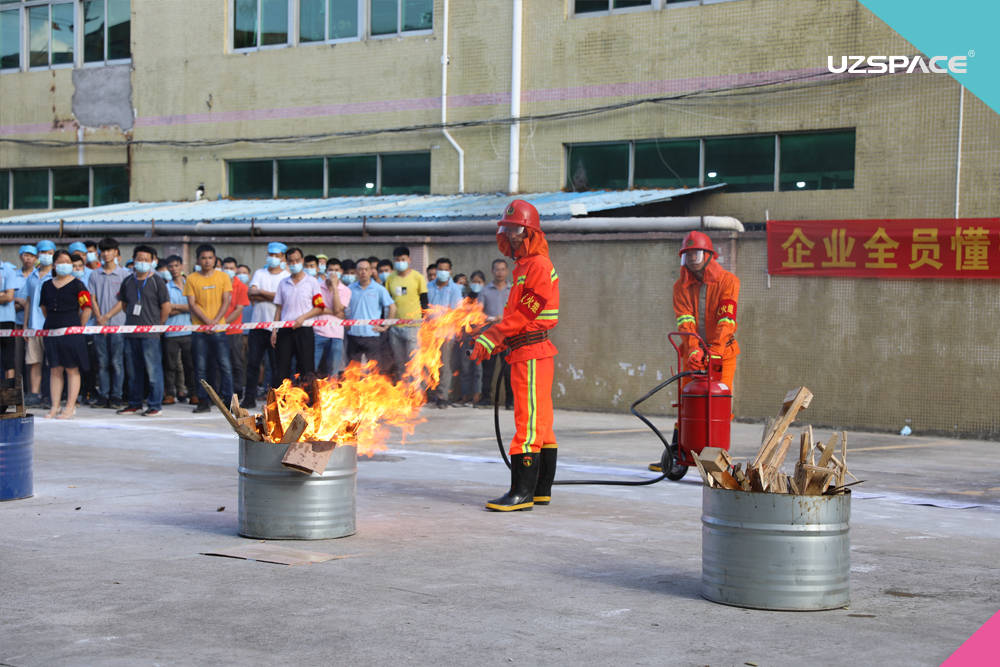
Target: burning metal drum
[278,503]
[775,551]
[17,435]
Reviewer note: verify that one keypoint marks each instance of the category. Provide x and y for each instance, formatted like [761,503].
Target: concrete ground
[103,567]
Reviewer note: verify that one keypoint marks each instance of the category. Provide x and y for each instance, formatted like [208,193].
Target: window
[821,161]
[599,167]
[45,33]
[338,176]
[260,23]
[745,164]
[63,187]
[302,177]
[106,30]
[605,6]
[328,20]
[667,164]
[808,161]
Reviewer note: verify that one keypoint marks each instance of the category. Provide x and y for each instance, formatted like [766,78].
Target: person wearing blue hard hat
[263,286]
[34,354]
[10,282]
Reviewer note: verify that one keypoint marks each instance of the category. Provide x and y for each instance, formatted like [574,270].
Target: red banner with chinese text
[919,248]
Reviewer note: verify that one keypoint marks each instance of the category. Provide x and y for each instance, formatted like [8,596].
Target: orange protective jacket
[533,304]
[721,296]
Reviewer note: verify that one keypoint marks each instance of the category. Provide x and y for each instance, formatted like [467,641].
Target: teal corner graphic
[965,28]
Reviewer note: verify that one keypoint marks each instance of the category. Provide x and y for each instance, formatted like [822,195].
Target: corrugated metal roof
[551,205]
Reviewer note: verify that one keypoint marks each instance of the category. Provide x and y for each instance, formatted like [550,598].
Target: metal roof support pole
[444,101]
[513,183]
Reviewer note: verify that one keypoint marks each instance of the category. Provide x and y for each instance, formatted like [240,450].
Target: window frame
[776,137]
[653,6]
[10,171]
[23,7]
[294,27]
[326,171]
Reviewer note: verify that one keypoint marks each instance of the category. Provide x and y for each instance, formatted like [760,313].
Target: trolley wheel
[668,463]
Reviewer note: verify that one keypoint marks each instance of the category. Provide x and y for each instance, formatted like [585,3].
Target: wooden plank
[725,480]
[295,429]
[701,471]
[756,477]
[308,457]
[794,486]
[272,417]
[741,478]
[241,430]
[714,459]
[237,409]
[778,458]
[795,400]
[826,451]
[819,479]
[843,459]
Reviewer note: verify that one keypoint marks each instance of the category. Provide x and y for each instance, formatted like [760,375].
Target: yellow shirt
[207,292]
[406,291]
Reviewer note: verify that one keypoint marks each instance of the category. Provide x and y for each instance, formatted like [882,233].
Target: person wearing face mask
[705,300]
[384,270]
[34,353]
[93,256]
[178,361]
[10,281]
[78,251]
[88,378]
[532,311]
[297,299]
[408,289]
[65,302]
[349,272]
[328,339]
[234,315]
[104,285]
[369,301]
[321,262]
[470,374]
[243,274]
[263,285]
[145,300]
[22,302]
[445,293]
[209,292]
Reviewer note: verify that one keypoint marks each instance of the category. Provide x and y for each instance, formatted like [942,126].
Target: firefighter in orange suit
[705,300]
[532,310]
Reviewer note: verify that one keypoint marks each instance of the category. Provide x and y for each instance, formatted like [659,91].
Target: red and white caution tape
[189,328]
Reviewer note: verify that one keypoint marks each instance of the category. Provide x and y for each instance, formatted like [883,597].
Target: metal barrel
[278,503]
[17,436]
[775,551]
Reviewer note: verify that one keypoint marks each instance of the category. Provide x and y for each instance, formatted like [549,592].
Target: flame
[362,405]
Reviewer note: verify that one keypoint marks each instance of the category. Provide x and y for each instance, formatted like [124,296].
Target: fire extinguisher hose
[634,409]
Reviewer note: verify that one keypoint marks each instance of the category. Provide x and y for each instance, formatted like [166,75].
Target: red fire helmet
[521,213]
[697,241]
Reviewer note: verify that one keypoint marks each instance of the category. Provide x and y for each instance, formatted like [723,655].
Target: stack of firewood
[818,471]
[306,457]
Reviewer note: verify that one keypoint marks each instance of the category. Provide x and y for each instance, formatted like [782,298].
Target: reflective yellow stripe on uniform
[554,275]
[552,314]
[532,428]
[684,319]
[727,320]
[520,280]
[486,342]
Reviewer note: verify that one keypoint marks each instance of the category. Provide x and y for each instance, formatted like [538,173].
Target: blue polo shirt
[22,291]
[366,304]
[36,319]
[10,278]
[177,296]
[447,295]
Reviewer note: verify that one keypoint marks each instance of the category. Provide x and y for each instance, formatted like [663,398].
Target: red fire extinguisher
[705,408]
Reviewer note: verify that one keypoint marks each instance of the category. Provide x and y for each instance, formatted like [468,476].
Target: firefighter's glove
[479,352]
[696,359]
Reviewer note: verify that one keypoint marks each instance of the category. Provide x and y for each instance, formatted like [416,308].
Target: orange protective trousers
[531,381]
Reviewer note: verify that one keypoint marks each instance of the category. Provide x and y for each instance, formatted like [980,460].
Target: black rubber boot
[546,473]
[523,478]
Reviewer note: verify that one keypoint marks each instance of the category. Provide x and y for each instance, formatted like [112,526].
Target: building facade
[104,101]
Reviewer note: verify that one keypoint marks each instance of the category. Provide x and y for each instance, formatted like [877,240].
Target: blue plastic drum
[17,436]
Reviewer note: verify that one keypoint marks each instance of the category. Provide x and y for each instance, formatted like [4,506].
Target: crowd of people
[90,283]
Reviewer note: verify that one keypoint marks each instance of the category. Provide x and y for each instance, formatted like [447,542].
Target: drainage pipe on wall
[444,101]
[514,177]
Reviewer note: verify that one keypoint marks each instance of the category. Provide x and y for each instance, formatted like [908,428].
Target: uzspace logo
[893,64]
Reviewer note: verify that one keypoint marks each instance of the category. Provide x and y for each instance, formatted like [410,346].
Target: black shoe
[32,400]
[523,479]
[546,474]
[202,407]
[152,412]
[116,404]
[442,404]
